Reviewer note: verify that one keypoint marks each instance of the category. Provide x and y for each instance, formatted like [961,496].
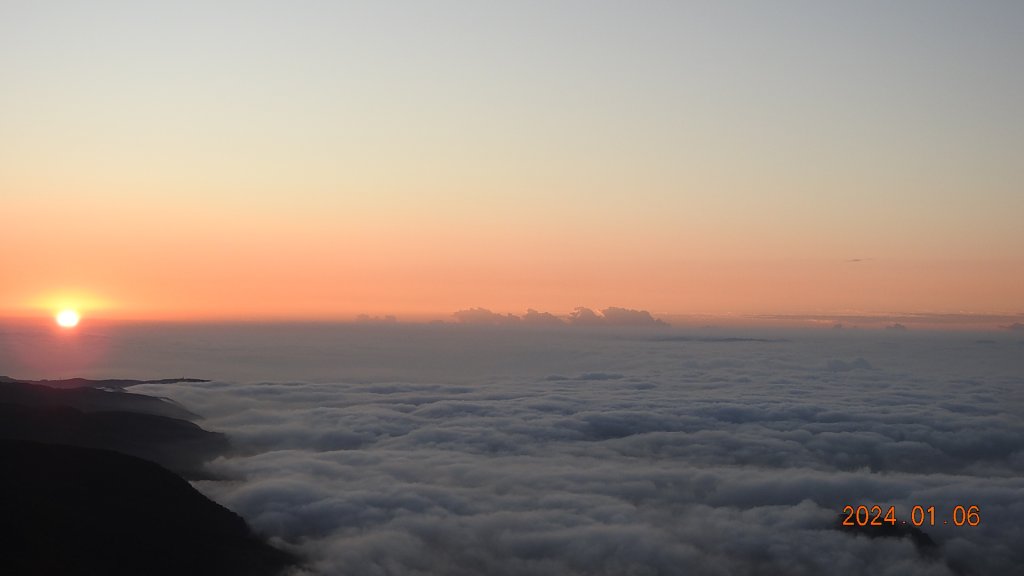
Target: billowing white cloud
[609,317]
[618,453]
[484,316]
[614,317]
[535,318]
[626,317]
[585,317]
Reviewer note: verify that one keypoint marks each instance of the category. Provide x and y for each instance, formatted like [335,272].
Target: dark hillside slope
[87,397]
[178,445]
[74,511]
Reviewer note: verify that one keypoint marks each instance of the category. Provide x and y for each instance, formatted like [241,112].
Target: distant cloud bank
[581,316]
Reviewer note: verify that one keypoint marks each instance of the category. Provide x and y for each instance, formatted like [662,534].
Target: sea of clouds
[400,450]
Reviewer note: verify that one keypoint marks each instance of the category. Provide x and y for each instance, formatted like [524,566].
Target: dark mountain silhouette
[72,511]
[178,445]
[84,489]
[152,428]
[90,396]
[110,383]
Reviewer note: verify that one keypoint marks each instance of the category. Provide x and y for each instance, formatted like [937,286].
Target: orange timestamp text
[862,515]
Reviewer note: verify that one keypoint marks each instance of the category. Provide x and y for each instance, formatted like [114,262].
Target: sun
[68,318]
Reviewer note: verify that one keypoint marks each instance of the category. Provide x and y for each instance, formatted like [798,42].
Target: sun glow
[68,318]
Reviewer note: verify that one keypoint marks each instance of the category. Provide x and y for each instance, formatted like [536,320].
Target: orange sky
[191,163]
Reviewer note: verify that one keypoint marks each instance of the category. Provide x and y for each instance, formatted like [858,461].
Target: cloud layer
[628,454]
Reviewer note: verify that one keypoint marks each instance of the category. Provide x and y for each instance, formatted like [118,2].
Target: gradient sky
[179,160]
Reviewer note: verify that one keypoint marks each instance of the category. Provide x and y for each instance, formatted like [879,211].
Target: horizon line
[481,317]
